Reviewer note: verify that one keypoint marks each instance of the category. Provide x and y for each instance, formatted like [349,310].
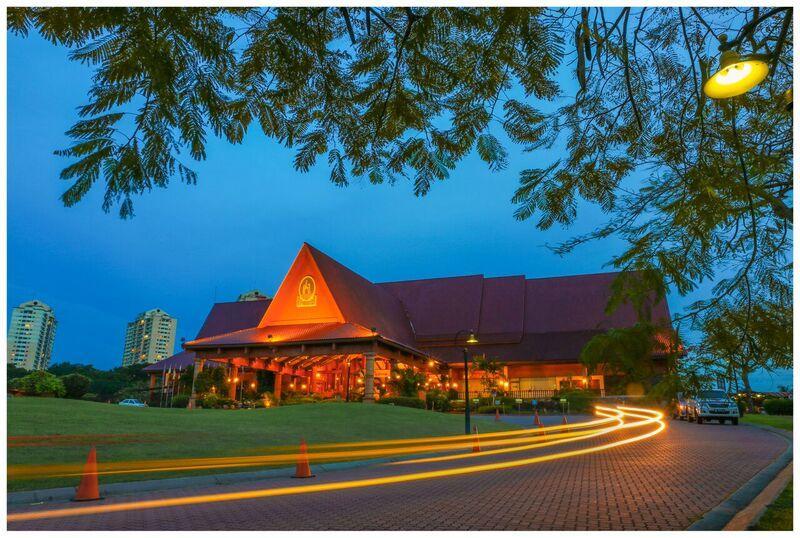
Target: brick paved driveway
[664,482]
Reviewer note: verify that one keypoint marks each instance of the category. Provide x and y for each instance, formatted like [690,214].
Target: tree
[740,338]
[212,378]
[14,372]
[630,353]
[699,189]
[75,385]
[41,383]
[490,368]
[406,382]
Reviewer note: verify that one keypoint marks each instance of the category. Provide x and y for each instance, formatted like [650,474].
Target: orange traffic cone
[303,470]
[476,446]
[88,489]
[496,414]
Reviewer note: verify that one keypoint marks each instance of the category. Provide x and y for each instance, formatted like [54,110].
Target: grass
[128,433]
[778,516]
[783,422]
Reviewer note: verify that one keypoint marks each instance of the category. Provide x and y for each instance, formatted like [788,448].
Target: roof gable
[303,296]
[340,295]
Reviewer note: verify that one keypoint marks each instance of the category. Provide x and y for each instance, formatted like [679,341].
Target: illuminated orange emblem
[307,292]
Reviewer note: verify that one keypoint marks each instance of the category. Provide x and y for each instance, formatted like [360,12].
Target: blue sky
[241,225]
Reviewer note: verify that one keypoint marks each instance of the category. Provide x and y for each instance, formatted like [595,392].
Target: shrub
[75,385]
[778,406]
[437,400]
[489,409]
[89,397]
[298,400]
[579,400]
[180,400]
[403,401]
[41,383]
[210,401]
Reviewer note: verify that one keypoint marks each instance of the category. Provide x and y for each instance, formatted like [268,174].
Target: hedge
[404,401]
[778,406]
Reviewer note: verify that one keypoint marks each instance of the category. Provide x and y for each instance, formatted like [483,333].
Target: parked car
[133,402]
[713,405]
[680,406]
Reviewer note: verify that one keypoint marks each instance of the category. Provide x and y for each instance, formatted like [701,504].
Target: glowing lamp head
[252,385]
[235,379]
[736,75]
[472,338]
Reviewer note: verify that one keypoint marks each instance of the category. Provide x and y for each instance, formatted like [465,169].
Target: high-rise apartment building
[149,338]
[31,335]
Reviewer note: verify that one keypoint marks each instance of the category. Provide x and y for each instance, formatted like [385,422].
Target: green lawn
[776,421]
[778,516]
[182,433]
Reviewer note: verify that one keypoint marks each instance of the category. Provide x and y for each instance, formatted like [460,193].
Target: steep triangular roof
[339,295]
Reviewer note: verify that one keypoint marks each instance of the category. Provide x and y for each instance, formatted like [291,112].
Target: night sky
[240,227]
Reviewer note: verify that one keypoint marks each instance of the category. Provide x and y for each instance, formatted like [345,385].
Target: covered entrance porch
[346,369]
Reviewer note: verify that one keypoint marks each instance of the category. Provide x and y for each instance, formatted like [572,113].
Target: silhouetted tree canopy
[699,189]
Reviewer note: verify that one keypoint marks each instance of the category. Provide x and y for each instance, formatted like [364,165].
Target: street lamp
[737,74]
[470,341]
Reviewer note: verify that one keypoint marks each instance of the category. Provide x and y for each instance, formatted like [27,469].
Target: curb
[125,488]
[718,517]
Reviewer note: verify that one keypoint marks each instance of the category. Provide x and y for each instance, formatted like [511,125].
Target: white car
[132,402]
[713,405]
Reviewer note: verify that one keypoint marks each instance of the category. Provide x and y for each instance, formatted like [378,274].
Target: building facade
[331,332]
[149,338]
[31,335]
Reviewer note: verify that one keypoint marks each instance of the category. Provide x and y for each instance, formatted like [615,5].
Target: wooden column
[198,367]
[278,387]
[233,384]
[369,377]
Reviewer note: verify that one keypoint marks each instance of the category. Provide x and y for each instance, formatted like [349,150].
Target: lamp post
[471,340]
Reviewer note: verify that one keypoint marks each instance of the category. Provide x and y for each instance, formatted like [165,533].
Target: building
[31,336]
[149,338]
[253,295]
[332,332]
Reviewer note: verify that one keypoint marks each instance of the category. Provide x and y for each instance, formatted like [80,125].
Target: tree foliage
[40,383]
[75,385]
[700,190]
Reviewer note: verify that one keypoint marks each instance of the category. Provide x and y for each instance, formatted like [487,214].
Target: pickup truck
[713,405]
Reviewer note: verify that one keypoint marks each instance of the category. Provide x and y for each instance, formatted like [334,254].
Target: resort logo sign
[307,292]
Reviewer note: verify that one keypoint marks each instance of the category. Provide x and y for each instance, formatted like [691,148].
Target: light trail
[556,439]
[434,444]
[648,416]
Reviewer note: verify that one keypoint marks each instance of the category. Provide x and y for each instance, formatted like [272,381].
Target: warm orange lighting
[649,417]
[229,380]
[303,386]
[235,379]
[431,363]
[736,75]
[252,385]
[455,385]
[318,375]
